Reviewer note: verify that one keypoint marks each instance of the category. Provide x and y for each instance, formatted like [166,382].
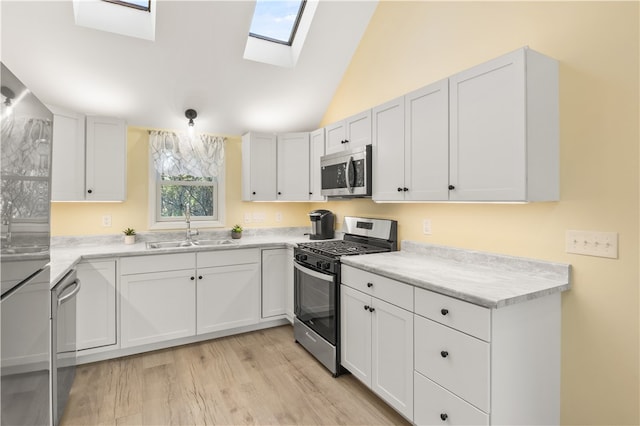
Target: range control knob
[301,257]
[326,265]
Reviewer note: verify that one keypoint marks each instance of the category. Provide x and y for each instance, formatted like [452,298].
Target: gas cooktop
[341,248]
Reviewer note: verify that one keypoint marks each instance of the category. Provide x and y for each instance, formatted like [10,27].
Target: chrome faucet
[187,218]
[7,219]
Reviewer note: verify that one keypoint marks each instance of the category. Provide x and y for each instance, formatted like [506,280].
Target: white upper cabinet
[275,167]
[293,167]
[106,154]
[350,133]
[67,174]
[504,130]
[316,151]
[89,158]
[259,165]
[411,146]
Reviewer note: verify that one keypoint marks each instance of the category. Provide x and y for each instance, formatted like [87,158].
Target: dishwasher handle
[67,297]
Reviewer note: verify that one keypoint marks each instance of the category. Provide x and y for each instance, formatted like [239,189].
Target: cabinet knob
[366,307]
[369,285]
[405,189]
[199,277]
[371,309]
[90,191]
[444,354]
[443,416]
[444,311]
[311,193]
[254,192]
[399,189]
[451,187]
[279,193]
[193,278]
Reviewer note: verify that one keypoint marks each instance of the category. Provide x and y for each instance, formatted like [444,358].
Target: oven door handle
[318,275]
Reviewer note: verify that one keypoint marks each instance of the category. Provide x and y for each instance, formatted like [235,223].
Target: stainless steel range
[317,283]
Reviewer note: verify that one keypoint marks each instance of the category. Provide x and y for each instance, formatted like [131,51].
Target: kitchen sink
[214,242]
[173,244]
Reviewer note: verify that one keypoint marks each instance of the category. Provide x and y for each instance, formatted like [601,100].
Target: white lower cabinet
[158,306]
[440,360]
[228,297]
[275,282]
[436,405]
[96,305]
[202,292]
[377,347]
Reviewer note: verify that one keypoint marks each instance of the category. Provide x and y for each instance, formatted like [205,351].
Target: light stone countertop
[66,252]
[485,279]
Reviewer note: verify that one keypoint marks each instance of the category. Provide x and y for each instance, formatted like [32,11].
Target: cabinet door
[335,137]
[355,333]
[96,304]
[274,281]
[293,167]
[316,149]
[426,172]
[157,306]
[67,171]
[259,167]
[487,122]
[388,141]
[289,274]
[106,159]
[228,297]
[358,129]
[392,355]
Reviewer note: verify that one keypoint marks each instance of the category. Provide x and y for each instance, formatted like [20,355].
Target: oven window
[316,303]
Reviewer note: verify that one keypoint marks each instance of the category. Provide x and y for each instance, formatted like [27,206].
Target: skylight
[136,4]
[276,20]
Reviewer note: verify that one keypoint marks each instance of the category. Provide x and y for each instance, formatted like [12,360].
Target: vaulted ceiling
[196,61]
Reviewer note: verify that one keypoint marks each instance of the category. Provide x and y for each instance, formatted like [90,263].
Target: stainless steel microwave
[347,173]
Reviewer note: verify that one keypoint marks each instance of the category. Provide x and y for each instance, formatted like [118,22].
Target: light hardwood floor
[262,377]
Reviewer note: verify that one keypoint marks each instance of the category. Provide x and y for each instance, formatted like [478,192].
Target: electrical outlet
[247,218]
[592,243]
[258,217]
[278,217]
[106,221]
[426,226]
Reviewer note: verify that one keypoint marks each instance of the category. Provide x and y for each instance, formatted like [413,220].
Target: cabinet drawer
[208,259]
[454,360]
[392,291]
[464,316]
[435,405]
[158,262]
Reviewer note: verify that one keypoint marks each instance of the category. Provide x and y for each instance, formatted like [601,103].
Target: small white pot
[129,239]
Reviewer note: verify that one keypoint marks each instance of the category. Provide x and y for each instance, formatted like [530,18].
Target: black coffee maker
[322,224]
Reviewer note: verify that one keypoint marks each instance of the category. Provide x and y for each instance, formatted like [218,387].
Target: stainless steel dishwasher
[63,341]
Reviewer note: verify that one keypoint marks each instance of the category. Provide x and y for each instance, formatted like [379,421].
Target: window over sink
[185,171]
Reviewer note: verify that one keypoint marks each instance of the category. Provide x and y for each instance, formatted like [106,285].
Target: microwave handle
[348,175]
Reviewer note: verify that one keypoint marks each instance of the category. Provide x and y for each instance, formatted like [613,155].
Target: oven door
[315,300]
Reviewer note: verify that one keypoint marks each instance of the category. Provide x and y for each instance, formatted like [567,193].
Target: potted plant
[236,231]
[129,236]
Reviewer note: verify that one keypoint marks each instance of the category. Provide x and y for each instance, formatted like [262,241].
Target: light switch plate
[592,243]
[106,221]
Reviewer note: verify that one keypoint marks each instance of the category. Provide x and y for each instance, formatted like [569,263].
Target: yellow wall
[410,44]
[86,218]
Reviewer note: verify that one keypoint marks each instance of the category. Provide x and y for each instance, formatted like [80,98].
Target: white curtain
[179,154]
